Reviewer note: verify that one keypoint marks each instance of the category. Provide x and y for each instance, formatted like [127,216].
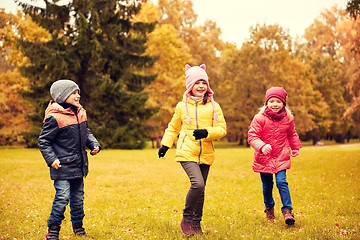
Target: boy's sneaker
[270,215]
[53,232]
[288,217]
[78,229]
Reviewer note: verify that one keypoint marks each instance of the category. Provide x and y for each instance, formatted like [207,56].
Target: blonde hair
[288,111]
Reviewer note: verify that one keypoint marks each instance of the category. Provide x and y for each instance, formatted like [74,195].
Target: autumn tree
[265,60]
[13,108]
[176,41]
[168,87]
[334,36]
[178,13]
[172,54]
[353,8]
[98,45]
[203,41]
[191,43]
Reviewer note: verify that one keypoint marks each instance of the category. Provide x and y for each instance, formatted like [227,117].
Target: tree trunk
[340,138]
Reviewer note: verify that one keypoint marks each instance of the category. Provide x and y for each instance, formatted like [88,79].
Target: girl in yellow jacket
[197,120]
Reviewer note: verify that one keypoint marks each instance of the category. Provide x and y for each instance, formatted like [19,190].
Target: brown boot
[270,215]
[288,217]
[196,228]
[186,228]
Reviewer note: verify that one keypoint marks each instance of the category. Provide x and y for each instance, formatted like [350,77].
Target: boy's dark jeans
[67,190]
[195,197]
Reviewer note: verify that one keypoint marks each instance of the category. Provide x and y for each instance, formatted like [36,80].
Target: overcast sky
[235,17]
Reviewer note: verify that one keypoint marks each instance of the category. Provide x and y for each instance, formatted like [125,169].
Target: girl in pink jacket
[273,136]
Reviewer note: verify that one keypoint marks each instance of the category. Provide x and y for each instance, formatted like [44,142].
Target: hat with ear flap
[193,74]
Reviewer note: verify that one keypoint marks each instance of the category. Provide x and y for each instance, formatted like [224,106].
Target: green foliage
[132,194]
[96,44]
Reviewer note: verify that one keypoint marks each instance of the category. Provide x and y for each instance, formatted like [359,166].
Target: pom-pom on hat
[61,89]
[193,74]
[277,92]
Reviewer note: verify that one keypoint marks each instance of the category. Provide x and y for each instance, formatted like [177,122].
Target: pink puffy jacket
[282,137]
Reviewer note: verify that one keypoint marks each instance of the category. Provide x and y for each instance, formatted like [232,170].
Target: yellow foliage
[13,108]
[168,87]
[147,14]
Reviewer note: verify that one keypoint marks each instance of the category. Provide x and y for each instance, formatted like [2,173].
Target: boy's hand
[95,150]
[294,153]
[56,164]
[266,149]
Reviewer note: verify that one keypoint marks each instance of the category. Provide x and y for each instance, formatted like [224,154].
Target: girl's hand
[294,153]
[200,133]
[266,149]
[95,150]
[56,164]
[162,151]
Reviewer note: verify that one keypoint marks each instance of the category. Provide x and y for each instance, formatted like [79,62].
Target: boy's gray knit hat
[61,89]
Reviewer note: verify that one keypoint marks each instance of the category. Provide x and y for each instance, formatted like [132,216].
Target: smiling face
[74,98]
[199,89]
[275,104]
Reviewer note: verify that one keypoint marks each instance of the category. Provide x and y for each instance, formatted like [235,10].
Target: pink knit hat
[277,92]
[193,74]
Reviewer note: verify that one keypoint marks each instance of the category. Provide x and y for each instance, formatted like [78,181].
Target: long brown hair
[206,97]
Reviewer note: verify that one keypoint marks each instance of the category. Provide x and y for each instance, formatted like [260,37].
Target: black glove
[200,133]
[162,151]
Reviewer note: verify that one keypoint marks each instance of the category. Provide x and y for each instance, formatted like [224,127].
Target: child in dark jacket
[62,142]
[273,136]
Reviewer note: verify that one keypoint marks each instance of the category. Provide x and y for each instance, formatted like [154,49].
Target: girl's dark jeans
[195,197]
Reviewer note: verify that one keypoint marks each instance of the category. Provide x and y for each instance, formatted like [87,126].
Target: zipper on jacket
[81,150]
[197,127]
[183,141]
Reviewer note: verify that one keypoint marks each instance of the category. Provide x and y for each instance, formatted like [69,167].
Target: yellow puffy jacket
[189,149]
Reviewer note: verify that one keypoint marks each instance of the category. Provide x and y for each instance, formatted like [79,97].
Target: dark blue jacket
[64,136]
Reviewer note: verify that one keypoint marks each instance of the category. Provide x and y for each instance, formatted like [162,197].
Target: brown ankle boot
[270,215]
[186,228]
[288,217]
[196,228]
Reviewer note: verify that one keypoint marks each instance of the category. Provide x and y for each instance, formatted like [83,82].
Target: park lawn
[132,194]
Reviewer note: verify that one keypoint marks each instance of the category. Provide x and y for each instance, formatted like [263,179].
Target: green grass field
[132,194]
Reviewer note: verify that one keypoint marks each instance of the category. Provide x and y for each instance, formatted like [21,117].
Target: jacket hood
[54,107]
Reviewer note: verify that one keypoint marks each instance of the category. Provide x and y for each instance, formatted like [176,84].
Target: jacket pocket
[70,168]
[71,161]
